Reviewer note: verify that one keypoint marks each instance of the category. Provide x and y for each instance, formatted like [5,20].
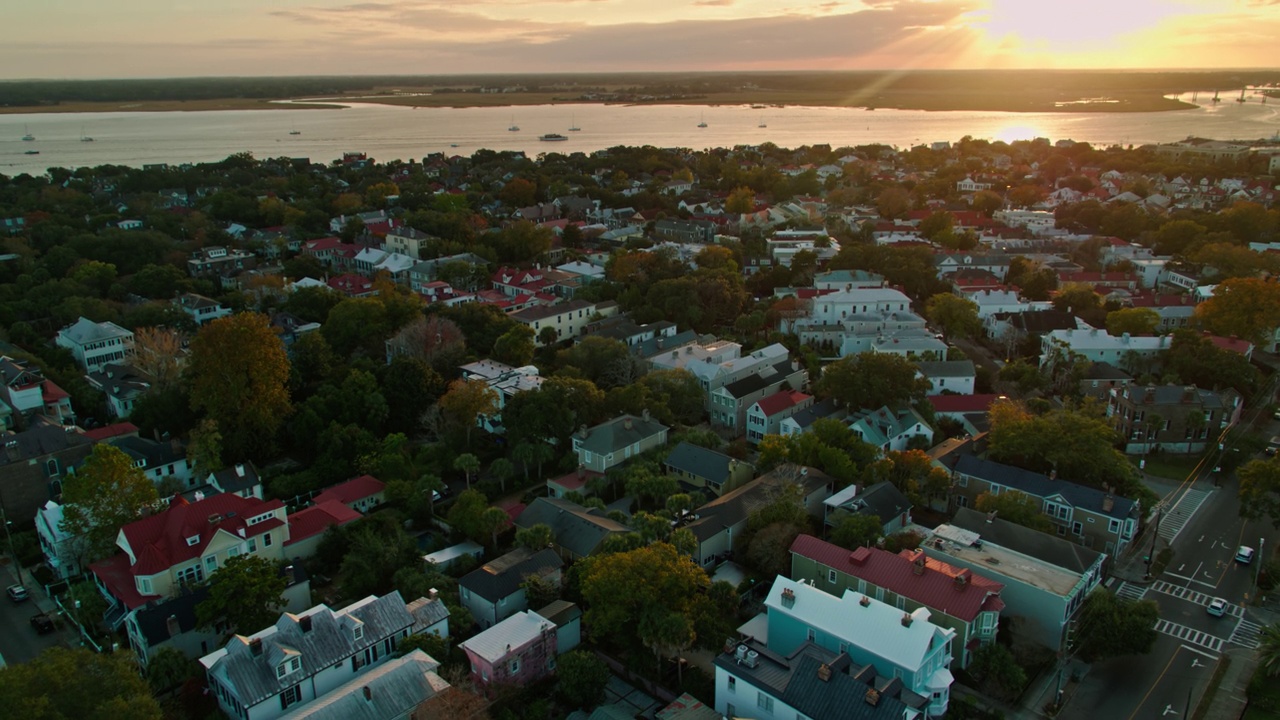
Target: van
[1244,554]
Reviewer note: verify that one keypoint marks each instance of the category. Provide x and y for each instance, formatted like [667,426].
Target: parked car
[1217,607]
[1244,554]
[42,623]
[1273,445]
[17,593]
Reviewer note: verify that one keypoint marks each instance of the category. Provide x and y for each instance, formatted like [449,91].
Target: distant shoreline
[931,101]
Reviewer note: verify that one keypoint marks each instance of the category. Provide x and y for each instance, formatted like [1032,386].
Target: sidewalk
[34,589]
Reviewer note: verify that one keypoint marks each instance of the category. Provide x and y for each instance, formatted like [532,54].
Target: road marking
[1190,635]
[1173,521]
[1133,592]
[1192,596]
[1211,586]
[1246,634]
[1154,684]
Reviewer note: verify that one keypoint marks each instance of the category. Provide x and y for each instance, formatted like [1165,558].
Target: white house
[96,344]
[1099,346]
[568,319]
[954,376]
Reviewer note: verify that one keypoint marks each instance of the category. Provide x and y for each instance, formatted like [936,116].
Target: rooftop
[516,631]
[1003,563]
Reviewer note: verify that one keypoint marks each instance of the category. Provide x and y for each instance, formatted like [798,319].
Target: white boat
[574,127]
[514,127]
[28,137]
[83,137]
[762,123]
[704,121]
[295,132]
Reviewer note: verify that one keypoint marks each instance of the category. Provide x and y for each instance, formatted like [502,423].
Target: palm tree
[525,453]
[468,464]
[428,485]
[502,470]
[1269,649]
[493,520]
[541,453]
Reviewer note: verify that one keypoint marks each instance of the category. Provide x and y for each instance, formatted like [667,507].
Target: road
[18,640]
[1205,530]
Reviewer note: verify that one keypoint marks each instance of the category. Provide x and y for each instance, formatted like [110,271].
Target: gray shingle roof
[614,435]
[1043,546]
[501,577]
[733,507]
[882,500]
[700,462]
[946,368]
[1041,486]
[85,331]
[577,529]
[331,640]
[390,690]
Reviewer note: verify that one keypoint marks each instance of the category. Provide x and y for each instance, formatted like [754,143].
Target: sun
[1053,25]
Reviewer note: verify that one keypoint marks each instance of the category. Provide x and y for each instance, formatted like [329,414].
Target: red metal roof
[779,401]
[318,518]
[167,532]
[115,574]
[357,488]
[936,587]
[109,431]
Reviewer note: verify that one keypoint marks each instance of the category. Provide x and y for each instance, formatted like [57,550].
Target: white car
[1244,554]
[1217,608]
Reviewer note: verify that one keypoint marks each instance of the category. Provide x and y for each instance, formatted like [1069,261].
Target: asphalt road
[18,640]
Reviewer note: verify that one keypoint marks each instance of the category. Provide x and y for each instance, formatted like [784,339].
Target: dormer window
[194,539]
[288,667]
[358,632]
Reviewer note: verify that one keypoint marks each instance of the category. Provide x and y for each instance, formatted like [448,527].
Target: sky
[183,38]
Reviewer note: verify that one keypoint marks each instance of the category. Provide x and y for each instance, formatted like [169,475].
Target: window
[515,666]
[764,702]
[211,563]
[844,647]
[1077,528]
[252,545]
[831,576]
[1113,526]
[733,684]
[232,552]
[358,632]
[266,540]
[292,665]
[812,636]
[144,585]
[190,575]
[289,697]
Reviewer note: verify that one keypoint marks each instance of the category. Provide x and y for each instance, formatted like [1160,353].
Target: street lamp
[1257,572]
[17,565]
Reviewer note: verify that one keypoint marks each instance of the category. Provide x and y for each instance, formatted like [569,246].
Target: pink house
[516,651]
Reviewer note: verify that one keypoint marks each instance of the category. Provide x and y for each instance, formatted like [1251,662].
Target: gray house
[493,591]
[702,468]
[615,441]
[578,531]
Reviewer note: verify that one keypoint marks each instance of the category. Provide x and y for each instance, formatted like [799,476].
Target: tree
[204,449]
[1260,491]
[168,668]
[1110,626]
[1016,507]
[998,671]
[769,549]
[643,482]
[1082,300]
[580,679]
[872,380]
[491,523]
[502,469]
[955,316]
[464,514]
[1244,307]
[622,589]
[465,401]
[239,376]
[893,203]
[246,593]
[1269,649]
[515,347]
[857,530]
[1134,321]
[107,493]
[155,352]
[938,223]
[467,463]
[77,684]
[535,537]
[379,547]
[409,386]
[357,325]
[667,634]
[740,201]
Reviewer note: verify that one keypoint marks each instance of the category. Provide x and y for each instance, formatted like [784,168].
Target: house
[62,552]
[906,645]
[398,689]
[406,241]
[567,617]
[957,598]
[34,464]
[307,526]
[705,469]
[577,531]
[159,461]
[1172,417]
[949,376]
[122,385]
[493,591]
[1094,518]
[442,559]
[1099,346]
[504,380]
[615,441]
[803,421]
[304,656]
[765,416]
[883,501]
[811,682]
[579,481]
[28,393]
[95,344]
[729,403]
[201,309]
[174,623]
[361,494]
[184,544]
[238,479]
[218,261]
[516,651]
[569,319]
[1045,578]
[1099,379]
[889,429]
[719,523]
[687,707]
[430,615]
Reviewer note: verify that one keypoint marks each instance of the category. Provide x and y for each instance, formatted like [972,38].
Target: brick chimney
[824,672]
[917,562]
[626,422]
[1108,503]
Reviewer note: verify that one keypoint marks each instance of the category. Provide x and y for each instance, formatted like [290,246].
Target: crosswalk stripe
[1246,634]
[1172,522]
[1193,636]
[1192,596]
[1133,592]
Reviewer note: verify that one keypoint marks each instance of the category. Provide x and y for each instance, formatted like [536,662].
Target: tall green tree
[1260,490]
[107,493]
[856,530]
[955,316]
[1016,507]
[466,401]
[581,678]
[1109,626]
[872,380]
[239,376]
[1248,308]
[77,684]
[1135,321]
[246,593]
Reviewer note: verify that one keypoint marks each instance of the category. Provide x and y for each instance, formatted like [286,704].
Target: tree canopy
[872,380]
[245,593]
[1246,307]
[77,684]
[1110,626]
[107,493]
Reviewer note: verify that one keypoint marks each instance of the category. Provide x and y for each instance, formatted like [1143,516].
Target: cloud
[713,3]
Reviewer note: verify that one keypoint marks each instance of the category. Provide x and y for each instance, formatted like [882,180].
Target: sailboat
[762,122]
[573,125]
[704,121]
[295,131]
[1216,99]
[514,127]
[83,137]
[1241,98]
[28,137]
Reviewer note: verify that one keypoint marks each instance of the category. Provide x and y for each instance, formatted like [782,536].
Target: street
[19,642]
[1203,525]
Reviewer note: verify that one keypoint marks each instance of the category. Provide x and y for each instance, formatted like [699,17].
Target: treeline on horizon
[34,93]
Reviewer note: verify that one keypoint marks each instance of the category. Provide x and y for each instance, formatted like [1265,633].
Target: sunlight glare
[1053,24]
[1014,133]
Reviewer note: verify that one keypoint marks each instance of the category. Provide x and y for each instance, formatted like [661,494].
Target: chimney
[906,620]
[872,697]
[917,562]
[214,519]
[962,578]
[288,575]
[626,422]
[1053,474]
[433,594]
[368,694]
[1108,503]
[824,672]
[171,624]
[304,623]
[645,414]
[865,601]
[582,431]
[255,647]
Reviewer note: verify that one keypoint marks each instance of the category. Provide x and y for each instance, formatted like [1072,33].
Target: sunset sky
[170,38]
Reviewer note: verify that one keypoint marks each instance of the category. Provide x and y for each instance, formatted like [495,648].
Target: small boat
[514,127]
[31,152]
[83,137]
[762,123]
[757,106]
[574,127]
[28,137]
[704,121]
[295,132]
[453,144]
[552,137]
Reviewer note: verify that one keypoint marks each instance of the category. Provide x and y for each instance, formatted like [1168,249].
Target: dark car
[42,623]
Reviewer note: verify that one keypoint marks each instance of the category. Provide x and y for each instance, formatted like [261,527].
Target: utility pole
[1155,534]
[17,564]
[1257,571]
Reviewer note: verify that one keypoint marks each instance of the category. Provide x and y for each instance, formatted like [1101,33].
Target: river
[388,132]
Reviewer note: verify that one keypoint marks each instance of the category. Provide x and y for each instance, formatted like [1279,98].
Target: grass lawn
[1169,466]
